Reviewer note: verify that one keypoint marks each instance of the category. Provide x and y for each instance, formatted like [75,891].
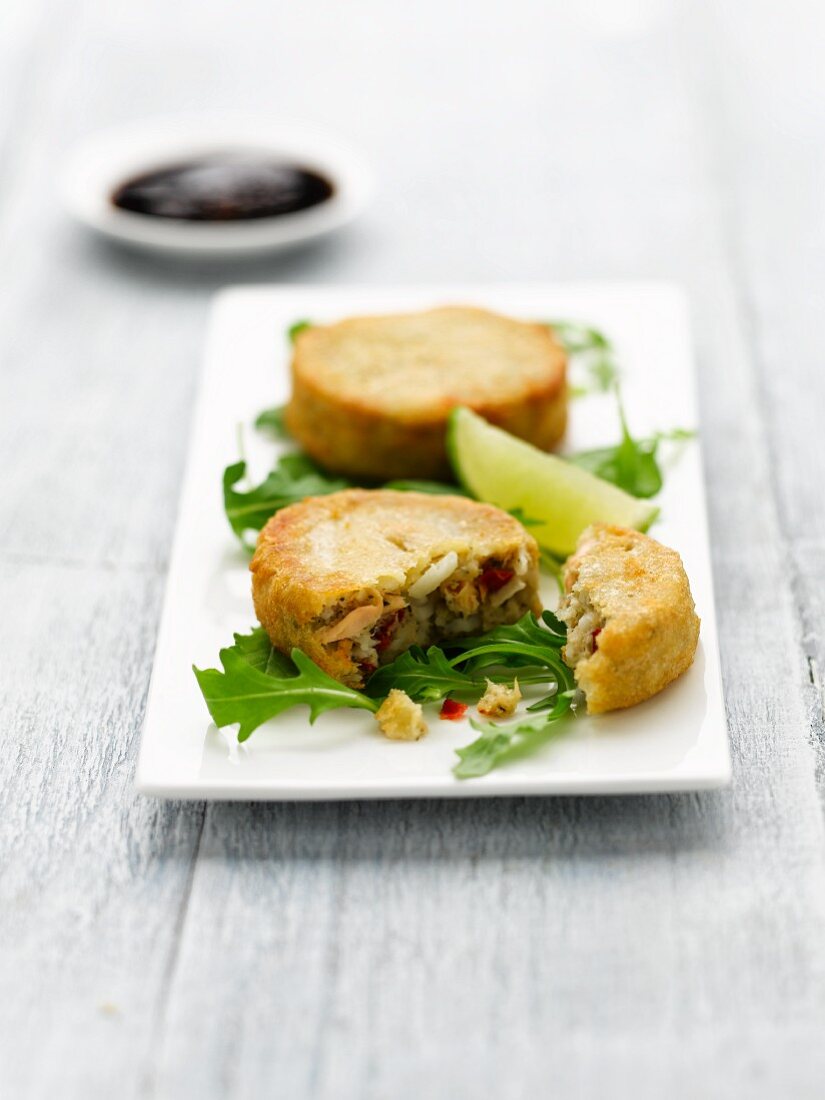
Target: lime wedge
[556,499]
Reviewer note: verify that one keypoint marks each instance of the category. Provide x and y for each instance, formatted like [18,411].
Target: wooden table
[622,947]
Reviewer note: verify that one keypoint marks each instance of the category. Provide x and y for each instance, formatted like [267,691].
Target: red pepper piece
[386,630]
[493,579]
[594,636]
[452,710]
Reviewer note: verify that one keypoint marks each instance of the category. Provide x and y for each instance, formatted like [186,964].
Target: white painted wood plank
[93,879]
[770,162]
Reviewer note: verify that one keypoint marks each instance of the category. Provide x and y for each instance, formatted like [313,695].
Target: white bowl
[104,161]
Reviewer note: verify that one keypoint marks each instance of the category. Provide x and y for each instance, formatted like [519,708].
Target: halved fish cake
[355,578]
[371,395]
[631,623]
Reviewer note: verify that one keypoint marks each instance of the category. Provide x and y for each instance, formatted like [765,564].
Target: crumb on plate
[400,719]
[499,700]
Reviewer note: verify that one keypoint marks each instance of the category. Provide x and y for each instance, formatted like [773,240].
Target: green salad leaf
[589,349]
[272,422]
[549,630]
[294,478]
[499,743]
[462,666]
[425,677]
[527,643]
[296,327]
[259,652]
[249,695]
[632,464]
[578,337]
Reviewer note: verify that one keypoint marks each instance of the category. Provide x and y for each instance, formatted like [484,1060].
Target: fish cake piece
[499,700]
[400,719]
[632,627]
[371,395]
[356,577]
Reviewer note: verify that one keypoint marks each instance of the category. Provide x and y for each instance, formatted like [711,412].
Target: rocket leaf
[242,693]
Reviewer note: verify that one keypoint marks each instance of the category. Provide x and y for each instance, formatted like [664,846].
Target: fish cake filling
[584,625]
[448,598]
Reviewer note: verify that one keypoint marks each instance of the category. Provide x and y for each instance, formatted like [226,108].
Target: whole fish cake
[631,624]
[371,395]
[355,578]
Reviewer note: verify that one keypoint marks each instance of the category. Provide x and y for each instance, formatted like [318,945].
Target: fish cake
[371,395]
[357,577]
[632,627]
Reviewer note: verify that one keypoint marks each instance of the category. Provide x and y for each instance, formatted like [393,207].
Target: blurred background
[517,141]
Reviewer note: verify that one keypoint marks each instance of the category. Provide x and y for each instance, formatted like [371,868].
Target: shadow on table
[467,829]
[306,262]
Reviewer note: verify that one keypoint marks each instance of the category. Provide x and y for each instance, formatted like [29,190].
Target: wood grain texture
[577,947]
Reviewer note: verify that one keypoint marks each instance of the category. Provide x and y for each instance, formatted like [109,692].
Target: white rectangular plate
[676,741]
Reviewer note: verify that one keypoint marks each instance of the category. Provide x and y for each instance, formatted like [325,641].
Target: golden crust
[640,589]
[361,547]
[371,395]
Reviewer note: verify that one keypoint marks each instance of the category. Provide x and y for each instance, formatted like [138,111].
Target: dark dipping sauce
[223,189]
